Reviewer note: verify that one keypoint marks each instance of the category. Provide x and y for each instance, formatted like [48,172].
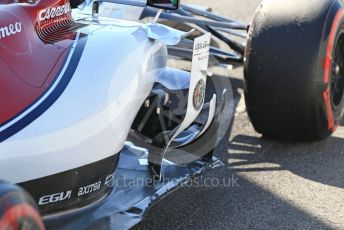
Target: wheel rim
[337,79]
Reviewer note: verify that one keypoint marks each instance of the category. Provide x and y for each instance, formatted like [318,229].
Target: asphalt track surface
[274,185]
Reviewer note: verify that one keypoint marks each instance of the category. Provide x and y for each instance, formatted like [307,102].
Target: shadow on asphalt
[320,161]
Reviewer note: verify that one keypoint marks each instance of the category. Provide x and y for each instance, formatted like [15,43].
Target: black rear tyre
[294,69]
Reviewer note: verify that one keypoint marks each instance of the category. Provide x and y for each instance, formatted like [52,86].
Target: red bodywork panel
[28,64]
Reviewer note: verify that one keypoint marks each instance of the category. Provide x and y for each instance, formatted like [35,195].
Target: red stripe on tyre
[327,68]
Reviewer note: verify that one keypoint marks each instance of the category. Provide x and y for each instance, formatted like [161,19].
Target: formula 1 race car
[95,127]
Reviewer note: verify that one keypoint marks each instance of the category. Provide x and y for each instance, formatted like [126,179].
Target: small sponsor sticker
[89,188]
[199,94]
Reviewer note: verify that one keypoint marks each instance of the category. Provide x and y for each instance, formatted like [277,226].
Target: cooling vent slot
[59,31]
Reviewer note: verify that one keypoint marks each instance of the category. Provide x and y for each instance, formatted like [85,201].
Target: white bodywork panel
[200,62]
[91,119]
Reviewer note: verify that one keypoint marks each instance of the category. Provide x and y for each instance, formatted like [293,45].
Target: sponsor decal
[64,196]
[10,30]
[57,197]
[54,12]
[89,188]
[199,94]
[198,80]
[199,47]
